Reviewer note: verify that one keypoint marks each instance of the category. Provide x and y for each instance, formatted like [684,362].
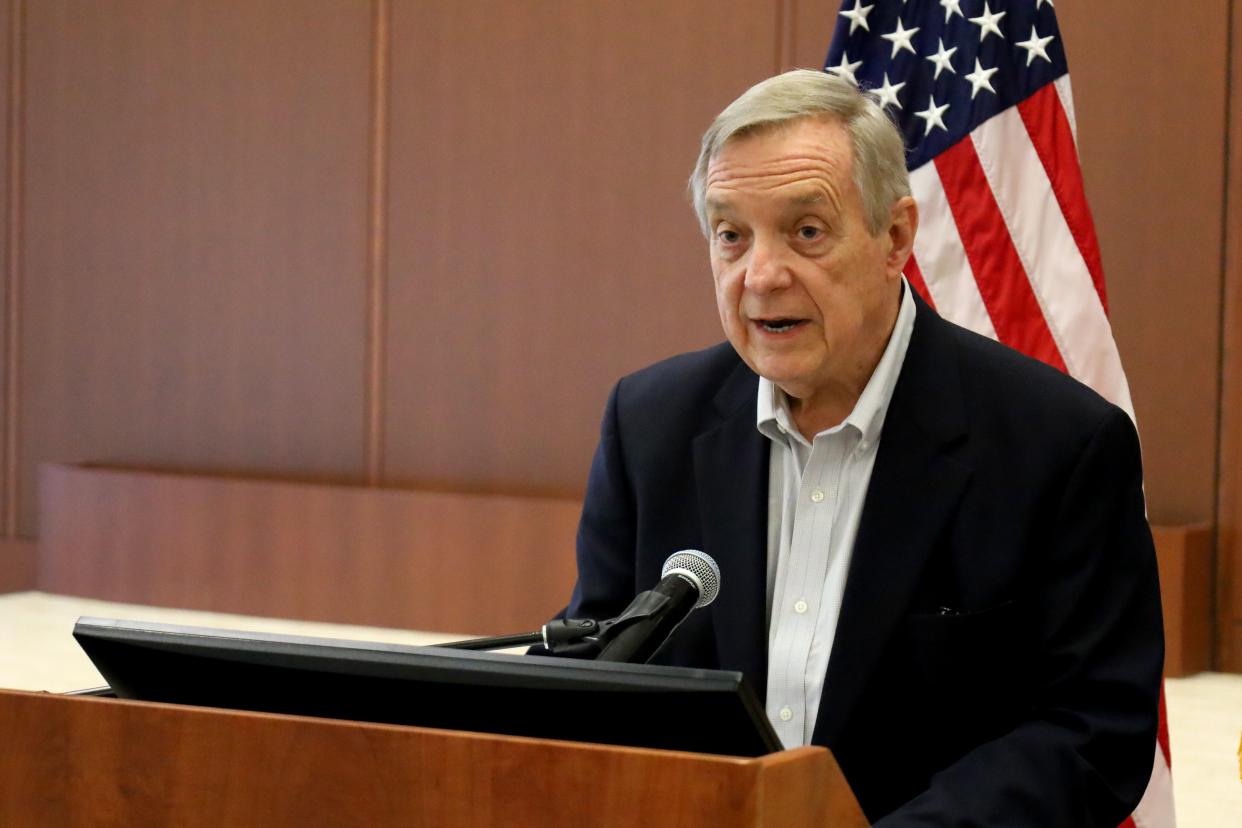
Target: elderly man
[934,554]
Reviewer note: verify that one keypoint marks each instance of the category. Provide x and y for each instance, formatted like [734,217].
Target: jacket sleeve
[1083,753]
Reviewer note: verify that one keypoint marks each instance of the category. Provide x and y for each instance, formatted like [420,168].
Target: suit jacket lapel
[914,487]
[731,469]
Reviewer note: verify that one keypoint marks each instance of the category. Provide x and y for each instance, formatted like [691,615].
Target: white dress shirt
[815,498]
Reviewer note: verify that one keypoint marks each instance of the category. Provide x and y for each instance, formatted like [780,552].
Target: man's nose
[768,268]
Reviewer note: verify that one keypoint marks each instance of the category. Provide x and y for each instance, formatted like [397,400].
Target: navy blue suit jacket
[998,654]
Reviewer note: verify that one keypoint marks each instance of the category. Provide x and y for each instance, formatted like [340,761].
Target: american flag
[1006,245]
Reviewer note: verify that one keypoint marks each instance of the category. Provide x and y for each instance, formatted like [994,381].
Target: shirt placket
[801,592]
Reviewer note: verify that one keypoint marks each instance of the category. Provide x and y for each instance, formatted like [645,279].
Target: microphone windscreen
[700,568]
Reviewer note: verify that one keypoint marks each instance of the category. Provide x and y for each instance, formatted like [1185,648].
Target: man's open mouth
[779,325]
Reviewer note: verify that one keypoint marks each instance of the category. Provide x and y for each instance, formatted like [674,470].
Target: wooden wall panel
[811,31]
[196,179]
[1229,510]
[9,286]
[19,563]
[345,554]
[1184,555]
[541,242]
[1150,97]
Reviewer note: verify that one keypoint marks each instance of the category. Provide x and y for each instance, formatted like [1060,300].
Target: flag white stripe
[1049,253]
[1065,93]
[1155,809]
[942,258]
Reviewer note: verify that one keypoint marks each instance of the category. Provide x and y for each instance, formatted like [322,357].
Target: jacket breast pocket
[967,657]
[965,676]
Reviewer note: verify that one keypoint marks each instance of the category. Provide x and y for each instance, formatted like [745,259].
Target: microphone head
[697,567]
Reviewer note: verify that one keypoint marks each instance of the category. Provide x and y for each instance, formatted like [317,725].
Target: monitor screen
[637,705]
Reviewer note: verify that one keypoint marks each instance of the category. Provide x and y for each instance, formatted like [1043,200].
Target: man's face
[806,294]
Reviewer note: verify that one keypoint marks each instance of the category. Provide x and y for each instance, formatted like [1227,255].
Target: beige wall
[202,285]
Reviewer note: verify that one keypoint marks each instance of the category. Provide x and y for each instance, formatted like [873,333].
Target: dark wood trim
[377,241]
[18,565]
[1228,615]
[13,267]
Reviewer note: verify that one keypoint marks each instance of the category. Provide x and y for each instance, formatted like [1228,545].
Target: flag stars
[900,38]
[1036,46]
[845,69]
[981,79]
[858,16]
[941,60]
[933,116]
[888,93]
[952,7]
[988,23]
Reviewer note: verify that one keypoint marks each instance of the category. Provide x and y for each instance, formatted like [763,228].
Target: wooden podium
[80,761]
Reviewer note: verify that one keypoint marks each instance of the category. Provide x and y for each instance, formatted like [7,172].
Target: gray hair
[879,153]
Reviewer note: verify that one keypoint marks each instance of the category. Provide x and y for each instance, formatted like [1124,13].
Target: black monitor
[638,705]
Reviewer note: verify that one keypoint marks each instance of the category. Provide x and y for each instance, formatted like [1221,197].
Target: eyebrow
[721,205]
[809,197]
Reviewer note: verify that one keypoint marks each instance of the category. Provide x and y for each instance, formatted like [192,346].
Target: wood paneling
[346,554]
[88,762]
[18,565]
[10,271]
[541,242]
[221,202]
[1229,508]
[377,238]
[1149,91]
[813,25]
[196,182]
[1184,554]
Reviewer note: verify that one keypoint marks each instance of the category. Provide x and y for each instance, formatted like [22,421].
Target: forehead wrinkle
[810,189]
[782,168]
[819,167]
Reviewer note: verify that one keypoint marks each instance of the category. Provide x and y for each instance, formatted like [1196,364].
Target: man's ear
[903,224]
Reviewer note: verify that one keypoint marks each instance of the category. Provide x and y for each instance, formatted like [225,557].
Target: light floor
[37,652]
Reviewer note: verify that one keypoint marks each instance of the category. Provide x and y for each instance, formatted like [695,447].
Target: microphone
[689,579]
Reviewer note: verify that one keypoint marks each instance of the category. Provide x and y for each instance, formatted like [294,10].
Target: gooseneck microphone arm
[690,579]
[554,636]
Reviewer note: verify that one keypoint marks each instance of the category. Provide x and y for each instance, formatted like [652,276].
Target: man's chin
[787,377]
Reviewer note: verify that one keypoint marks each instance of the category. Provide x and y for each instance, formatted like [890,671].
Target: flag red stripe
[1050,132]
[1003,283]
[1162,734]
[914,275]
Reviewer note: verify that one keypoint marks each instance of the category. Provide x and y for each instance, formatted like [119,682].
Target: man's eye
[809,232]
[728,236]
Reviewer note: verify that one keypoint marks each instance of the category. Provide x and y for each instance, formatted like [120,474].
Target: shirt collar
[772,410]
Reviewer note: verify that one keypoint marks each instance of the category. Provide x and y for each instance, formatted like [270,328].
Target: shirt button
[817,495]
[786,714]
[800,606]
